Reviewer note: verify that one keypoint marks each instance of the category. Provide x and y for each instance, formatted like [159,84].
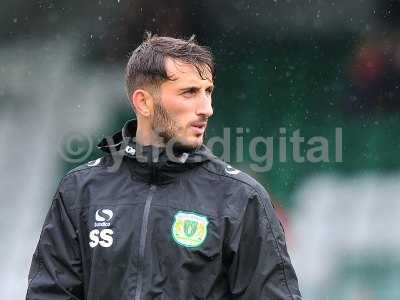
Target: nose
[205,107]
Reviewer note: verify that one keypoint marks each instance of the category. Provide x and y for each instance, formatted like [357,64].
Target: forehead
[183,73]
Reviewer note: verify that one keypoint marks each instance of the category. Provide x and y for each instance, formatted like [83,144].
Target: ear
[142,102]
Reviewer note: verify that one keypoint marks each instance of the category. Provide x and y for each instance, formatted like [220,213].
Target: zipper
[142,242]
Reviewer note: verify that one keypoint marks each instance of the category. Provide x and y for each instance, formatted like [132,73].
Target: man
[160,217]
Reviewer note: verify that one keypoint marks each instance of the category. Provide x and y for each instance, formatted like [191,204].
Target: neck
[145,135]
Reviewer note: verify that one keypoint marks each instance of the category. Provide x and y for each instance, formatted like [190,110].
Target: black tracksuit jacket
[142,225]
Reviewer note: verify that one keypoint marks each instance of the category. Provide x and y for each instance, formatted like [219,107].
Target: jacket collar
[150,163]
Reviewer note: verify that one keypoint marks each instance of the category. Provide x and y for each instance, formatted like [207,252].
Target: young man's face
[183,106]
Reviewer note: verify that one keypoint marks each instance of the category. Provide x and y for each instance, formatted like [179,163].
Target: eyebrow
[196,88]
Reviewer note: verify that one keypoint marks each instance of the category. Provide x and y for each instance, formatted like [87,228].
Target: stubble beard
[166,128]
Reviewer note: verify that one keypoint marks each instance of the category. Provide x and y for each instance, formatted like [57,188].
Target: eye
[189,93]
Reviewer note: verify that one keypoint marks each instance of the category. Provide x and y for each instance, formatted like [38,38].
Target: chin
[188,144]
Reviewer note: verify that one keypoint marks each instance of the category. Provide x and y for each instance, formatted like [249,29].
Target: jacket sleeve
[56,269]
[260,267]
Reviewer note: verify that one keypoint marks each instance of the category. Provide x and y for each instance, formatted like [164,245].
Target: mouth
[199,127]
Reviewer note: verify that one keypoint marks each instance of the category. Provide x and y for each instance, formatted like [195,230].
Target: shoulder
[249,194]
[243,188]
[231,175]
[87,167]
[80,176]
[104,164]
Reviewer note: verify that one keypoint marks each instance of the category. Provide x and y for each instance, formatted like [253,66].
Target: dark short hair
[146,65]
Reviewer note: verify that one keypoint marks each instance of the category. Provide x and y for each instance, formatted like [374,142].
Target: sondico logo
[102,216]
[102,237]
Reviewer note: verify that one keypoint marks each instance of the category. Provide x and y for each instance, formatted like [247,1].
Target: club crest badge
[189,229]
